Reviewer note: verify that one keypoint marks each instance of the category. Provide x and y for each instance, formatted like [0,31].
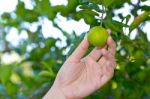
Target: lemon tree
[40,57]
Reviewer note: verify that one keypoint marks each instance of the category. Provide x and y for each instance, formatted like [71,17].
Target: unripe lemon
[97,36]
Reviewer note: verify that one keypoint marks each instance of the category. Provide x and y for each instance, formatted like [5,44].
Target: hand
[79,77]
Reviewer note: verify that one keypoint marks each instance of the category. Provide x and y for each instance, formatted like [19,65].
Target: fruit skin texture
[97,36]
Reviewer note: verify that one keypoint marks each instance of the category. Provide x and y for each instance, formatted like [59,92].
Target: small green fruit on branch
[97,36]
[139,19]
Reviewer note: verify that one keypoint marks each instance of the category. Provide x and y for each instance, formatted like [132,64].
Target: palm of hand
[79,78]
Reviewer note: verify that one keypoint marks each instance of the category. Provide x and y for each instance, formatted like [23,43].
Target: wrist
[54,93]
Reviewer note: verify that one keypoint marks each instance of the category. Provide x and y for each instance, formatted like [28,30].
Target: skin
[80,76]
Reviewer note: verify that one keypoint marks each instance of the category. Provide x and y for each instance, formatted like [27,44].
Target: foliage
[31,77]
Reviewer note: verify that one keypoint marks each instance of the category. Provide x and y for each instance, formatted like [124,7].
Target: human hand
[80,76]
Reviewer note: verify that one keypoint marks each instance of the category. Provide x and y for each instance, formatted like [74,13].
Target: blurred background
[37,36]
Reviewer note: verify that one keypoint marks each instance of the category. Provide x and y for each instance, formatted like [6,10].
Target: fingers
[95,54]
[111,45]
[80,50]
[107,64]
[107,57]
[106,77]
[109,31]
[107,72]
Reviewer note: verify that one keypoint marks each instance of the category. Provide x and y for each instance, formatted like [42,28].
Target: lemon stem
[103,10]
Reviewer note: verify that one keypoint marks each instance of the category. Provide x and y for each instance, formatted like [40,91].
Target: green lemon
[97,36]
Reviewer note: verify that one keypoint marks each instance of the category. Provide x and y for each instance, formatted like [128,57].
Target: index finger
[111,45]
[80,50]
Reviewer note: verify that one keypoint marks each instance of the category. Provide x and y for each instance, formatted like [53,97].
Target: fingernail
[85,37]
[109,31]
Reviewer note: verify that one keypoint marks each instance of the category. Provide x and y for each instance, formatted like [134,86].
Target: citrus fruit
[97,36]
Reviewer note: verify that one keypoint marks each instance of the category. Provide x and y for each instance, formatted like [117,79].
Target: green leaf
[84,7]
[44,8]
[5,73]
[89,12]
[72,4]
[94,7]
[108,3]
[46,74]
[48,71]
[6,16]
[11,89]
[144,0]
[138,20]
[145,8]
[95,1]
[115,25]
[25,14]
[91,6]
[83,1]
